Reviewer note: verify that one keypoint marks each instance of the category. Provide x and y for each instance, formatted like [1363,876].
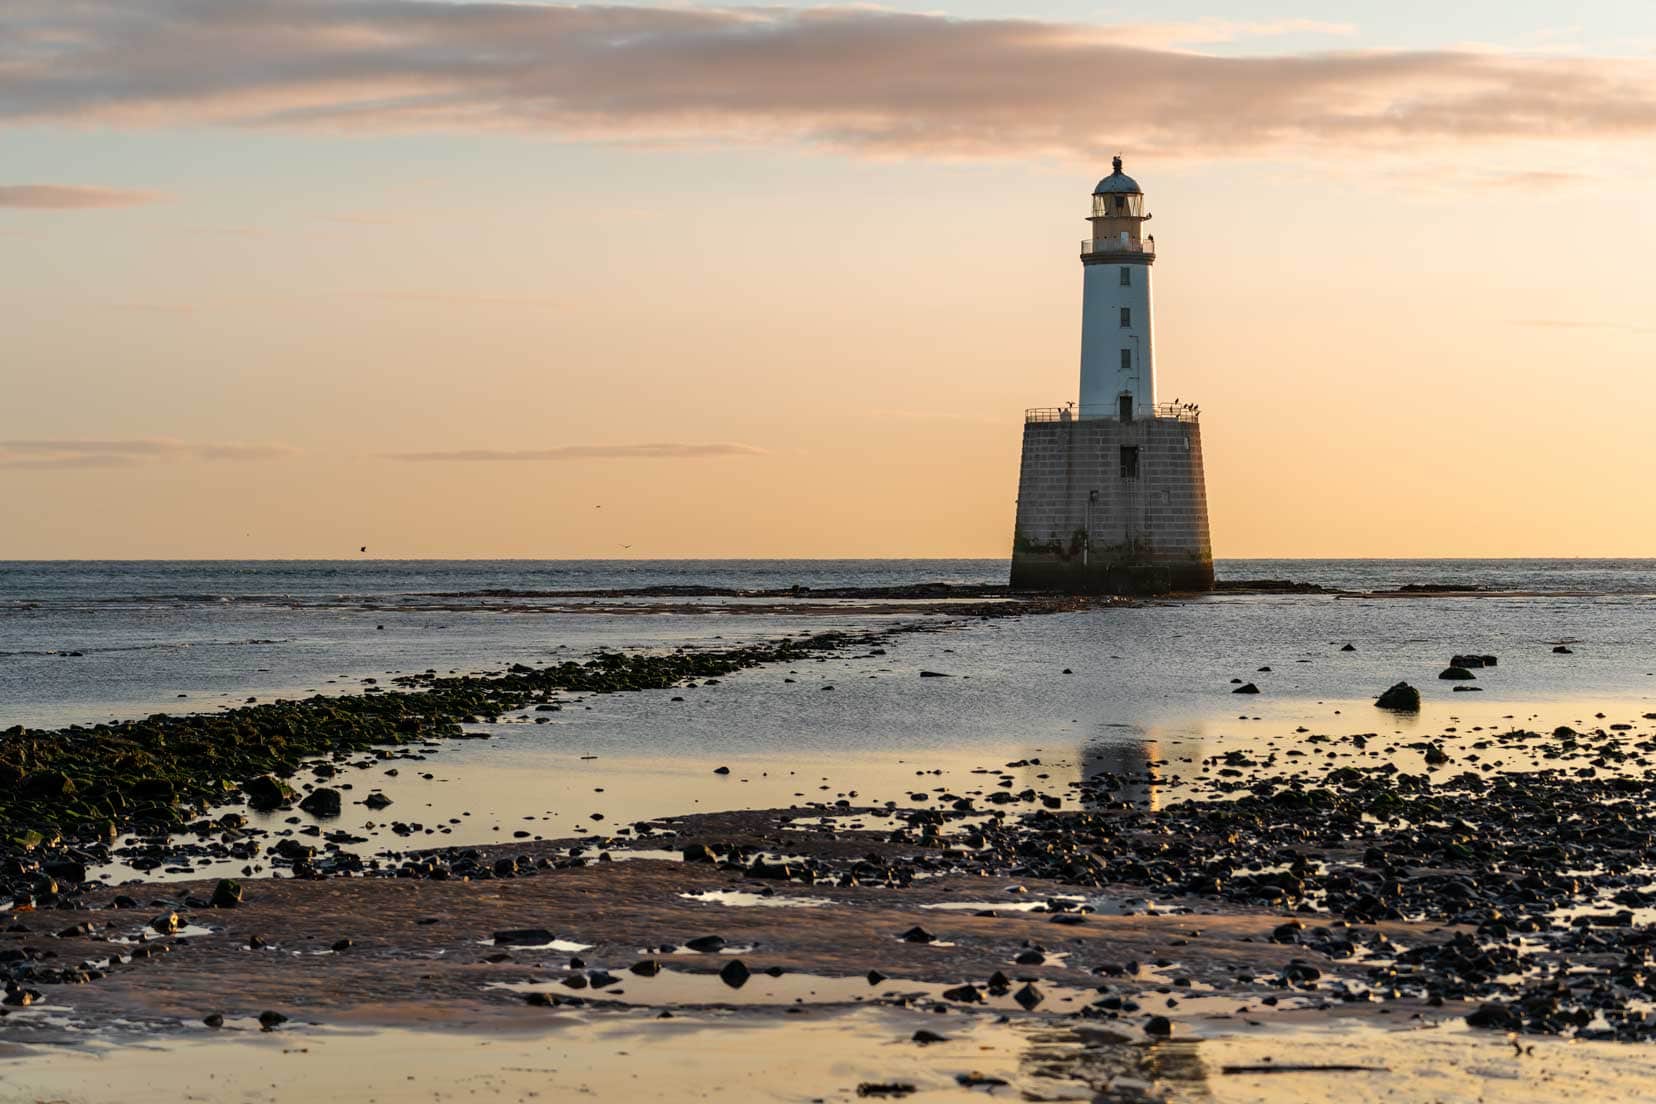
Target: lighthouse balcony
[1094,247]
[1171,412]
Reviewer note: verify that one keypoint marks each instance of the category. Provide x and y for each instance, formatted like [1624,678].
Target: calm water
[1149,682]
[158,635]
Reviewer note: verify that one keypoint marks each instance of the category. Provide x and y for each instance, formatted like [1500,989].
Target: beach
[817,820]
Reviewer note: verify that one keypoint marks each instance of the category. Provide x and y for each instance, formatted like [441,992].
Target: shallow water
[824,1055]
[217,633]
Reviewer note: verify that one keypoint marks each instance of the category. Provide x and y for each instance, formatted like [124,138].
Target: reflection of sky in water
[1149,698]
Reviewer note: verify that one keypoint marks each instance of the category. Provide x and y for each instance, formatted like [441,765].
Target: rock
[1246,688]
[293,850]
[166,923]
[1159,1027]
[226,894]
[926,1038]
[267,792]
[721,770]
[1458,673]
[522,937]
[884,1088]
[875,977]
[1349,648]
[1401,698]
[1470,662]
[699,852]
[1562,650]
[47,785]
[340,945]
[975,1080]
[934,674]
[967,994]
[269,1019]
[213,1019]
[917,934]
[1028,997]
[735,973]
[649,967]
[66,870]
[706,944]
[322,802]
[376,800]
[1497,1016]
[773,871]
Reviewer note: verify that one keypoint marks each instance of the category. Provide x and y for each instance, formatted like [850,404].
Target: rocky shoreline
[1499,877]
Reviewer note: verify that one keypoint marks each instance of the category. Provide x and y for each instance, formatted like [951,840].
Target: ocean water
[88,641]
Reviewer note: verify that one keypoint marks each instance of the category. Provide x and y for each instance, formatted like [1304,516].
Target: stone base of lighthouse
[1111,507]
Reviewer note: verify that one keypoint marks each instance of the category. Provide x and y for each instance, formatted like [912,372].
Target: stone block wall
[1092,520]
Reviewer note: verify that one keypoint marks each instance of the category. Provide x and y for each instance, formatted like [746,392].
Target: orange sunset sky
[549,280]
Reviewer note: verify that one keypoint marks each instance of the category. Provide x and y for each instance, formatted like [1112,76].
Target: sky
[286,278]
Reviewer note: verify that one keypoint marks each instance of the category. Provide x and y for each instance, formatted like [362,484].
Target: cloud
[1211,31]
[129,453]
[587,452]
[63,197]
[869,81]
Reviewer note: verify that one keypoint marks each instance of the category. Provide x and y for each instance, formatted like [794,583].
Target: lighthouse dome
[1118,183]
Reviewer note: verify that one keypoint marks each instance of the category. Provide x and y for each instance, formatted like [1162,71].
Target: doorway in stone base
[1125,407]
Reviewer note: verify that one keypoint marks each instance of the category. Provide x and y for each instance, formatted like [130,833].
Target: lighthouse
[1118,352]
[1111,493]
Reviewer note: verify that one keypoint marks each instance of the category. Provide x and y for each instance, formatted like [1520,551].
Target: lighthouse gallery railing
[1090,247]
[1178,412]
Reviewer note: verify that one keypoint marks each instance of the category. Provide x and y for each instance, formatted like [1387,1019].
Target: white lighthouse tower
[1118,356]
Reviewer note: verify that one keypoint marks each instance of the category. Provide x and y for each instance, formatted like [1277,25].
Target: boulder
[1401,697]
[267,792]
[1456,673]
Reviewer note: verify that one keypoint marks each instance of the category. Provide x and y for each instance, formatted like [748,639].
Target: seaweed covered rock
[267,792]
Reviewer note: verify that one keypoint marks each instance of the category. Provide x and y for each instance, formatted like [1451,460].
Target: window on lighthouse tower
[1126,317]
[1126,276]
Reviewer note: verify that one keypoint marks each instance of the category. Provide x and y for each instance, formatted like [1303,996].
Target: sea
[1144,689]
